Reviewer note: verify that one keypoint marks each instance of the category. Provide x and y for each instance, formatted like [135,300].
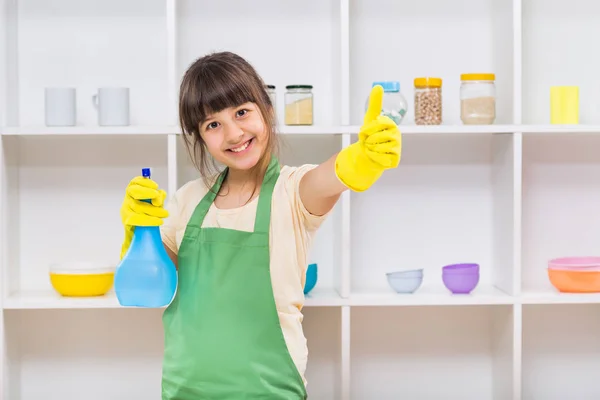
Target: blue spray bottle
[146,276]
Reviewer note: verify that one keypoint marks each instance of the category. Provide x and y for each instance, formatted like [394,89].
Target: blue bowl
[311,278]
[404,285]
[406,273]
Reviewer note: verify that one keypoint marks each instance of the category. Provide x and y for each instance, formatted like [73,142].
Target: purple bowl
[464,268]
[460,283]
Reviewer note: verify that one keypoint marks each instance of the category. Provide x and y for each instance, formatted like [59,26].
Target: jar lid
[299,87]
[388,86]
[428,82]
[270,86]
[478,77]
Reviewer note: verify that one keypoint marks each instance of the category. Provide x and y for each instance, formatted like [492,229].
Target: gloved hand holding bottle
[136,212]
[378,148]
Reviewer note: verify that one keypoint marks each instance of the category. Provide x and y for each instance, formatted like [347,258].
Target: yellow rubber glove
[379,147]
[135,212]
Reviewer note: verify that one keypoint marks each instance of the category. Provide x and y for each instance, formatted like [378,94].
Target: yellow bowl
[82,280]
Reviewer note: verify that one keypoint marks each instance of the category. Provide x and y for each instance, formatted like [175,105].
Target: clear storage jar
[298,105]
[394,104]
[428,101]
[272,94]
[478,99]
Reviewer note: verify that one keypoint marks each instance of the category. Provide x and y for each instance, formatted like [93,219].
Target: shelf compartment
[310,55]
[62,200]
[561,352]
[437,39]
[560,193]
[438,207]
[555,34]
[82,350]
[88,46]
[399,352]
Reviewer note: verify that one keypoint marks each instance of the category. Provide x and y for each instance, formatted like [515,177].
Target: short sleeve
[310,221]
[168,230]
[180,207]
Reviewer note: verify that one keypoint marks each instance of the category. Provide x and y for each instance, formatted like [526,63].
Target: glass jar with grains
[428,101]
[298,105]
[477,99]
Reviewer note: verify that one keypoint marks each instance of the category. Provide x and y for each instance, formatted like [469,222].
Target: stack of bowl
[575,274]
[461,278]
[406,281]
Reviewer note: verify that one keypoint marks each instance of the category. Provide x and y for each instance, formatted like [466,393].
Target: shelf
[49,299]
[558,129]
[432,296]
[82,181]
[52,300]
[555,297]
[158,130]
[88,46]
[432,353]
[376,25]
[86,130]
[284,130]
[425,296]
[48,345]
[560,205]
[561,352]
[556,33]
[312,130]
[509,196]
[307,54]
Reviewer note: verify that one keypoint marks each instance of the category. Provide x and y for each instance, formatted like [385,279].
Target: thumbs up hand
[379,147]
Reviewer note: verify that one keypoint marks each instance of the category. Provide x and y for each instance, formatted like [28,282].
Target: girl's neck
[238,188]
[238,179]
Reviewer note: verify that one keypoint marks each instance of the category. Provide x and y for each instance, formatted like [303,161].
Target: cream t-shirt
[291,233]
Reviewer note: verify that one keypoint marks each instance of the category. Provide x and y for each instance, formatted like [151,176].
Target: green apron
[223,339]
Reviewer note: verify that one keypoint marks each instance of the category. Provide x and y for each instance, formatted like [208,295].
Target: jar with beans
[428,101]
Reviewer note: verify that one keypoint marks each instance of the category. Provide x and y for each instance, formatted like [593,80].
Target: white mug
[112,104]
[60,106]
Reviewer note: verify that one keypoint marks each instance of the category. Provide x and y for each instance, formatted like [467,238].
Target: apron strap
[262,221]
[202,208]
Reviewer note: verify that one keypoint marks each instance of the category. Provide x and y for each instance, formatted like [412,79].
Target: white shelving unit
[509,196]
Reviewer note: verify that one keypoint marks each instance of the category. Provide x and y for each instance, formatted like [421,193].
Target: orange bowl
[575,281]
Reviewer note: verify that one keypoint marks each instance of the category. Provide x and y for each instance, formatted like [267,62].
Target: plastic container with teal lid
[394,104]
[478,98]
[428,101]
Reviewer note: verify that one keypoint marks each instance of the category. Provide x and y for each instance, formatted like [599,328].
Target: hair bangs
[222,88]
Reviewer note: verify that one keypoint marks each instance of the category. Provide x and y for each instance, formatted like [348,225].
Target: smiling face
[225,110]
[235,136]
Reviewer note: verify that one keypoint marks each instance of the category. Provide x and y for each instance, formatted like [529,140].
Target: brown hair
[212,83]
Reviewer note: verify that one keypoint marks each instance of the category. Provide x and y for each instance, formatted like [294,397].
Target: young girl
[240,238]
